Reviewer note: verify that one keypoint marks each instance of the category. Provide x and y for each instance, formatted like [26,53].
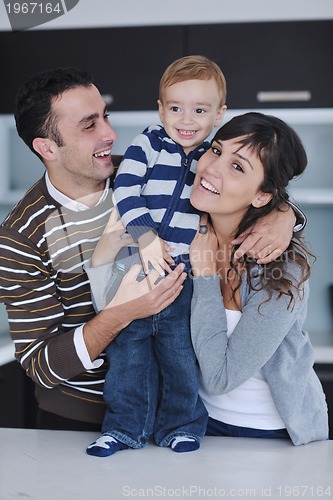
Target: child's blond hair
[193,68]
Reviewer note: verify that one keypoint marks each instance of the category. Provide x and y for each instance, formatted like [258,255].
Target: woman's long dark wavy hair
[283,157]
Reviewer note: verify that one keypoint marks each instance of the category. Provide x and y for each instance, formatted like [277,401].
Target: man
[49,237]
[45,242]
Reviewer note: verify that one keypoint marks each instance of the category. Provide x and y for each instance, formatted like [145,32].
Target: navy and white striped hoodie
[153,186]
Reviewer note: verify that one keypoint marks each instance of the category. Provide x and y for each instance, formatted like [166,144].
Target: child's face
[190,110]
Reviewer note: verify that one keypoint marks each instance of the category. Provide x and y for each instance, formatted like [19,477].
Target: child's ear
[220,114]
[261,199]
[160,109]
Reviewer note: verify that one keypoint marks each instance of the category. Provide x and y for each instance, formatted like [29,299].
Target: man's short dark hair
[33,113]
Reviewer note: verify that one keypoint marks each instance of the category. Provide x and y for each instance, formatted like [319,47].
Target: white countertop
[53,465]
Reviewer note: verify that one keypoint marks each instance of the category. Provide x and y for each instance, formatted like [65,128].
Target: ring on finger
[203,229]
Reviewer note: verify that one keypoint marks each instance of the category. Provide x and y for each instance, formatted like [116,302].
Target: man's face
[83,163]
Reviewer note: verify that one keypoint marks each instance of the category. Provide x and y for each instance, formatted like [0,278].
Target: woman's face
[228,179]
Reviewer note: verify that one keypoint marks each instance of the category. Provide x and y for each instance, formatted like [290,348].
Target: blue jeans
[152,384]
[218,428]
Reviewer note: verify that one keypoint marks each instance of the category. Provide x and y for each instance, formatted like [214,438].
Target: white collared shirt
[69,203]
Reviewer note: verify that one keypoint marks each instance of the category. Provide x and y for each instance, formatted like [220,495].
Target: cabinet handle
[283,95]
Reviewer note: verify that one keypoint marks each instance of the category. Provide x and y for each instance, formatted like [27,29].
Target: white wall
[98,13]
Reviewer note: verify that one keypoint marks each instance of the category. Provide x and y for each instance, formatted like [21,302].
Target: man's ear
[160,110]
[44,147]
[261,199]
[220,115]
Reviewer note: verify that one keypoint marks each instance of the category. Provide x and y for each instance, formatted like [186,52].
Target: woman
[255,359]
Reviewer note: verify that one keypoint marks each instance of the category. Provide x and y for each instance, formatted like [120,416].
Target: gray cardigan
[272,340]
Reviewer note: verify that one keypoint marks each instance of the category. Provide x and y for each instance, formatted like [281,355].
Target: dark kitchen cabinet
[17,401]
[18,404]
[127,63]
[325,374]
[270,56]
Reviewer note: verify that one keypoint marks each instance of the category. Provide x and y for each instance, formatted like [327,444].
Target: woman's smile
[208,186]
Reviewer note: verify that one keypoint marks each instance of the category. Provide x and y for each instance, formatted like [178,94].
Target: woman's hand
[114,238]
[203,250]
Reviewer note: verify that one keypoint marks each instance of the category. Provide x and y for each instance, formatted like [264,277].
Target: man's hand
[113,238]
[150,295]
[133,300]
[155,252]
[268,238]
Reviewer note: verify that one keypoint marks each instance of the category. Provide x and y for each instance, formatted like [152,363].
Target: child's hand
[155,251]
[114,237]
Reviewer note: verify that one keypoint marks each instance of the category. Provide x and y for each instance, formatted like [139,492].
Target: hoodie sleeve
[131,177]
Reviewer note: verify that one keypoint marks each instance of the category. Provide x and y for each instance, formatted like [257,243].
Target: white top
[249,405]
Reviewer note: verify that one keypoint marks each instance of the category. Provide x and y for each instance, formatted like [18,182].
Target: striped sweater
[153,186]
[47,295]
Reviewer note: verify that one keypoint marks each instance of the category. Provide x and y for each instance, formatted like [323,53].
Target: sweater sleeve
[226,363]
[128,184]
[36,312]
[104,283]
